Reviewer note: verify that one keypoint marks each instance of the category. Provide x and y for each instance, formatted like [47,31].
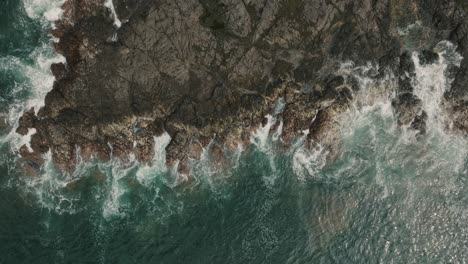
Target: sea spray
[391,196]
[261,136]
[264,140]
[34,80]
[48,189]
[117,188]
[370,122]
[399,182]
[372,94]
[375,150]
[307,163]
[46,11]
[371,108]
[214,172]
[432,81]
[146,173]
[37,78]
[117,23]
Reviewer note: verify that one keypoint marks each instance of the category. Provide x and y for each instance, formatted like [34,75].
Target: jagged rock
[427,57]
[27,121]
[419,122]
[59,71]
[406,73]
[459,115]
[211,70]
[407,107]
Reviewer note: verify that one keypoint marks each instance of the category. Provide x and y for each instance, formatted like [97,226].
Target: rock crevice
[203,70]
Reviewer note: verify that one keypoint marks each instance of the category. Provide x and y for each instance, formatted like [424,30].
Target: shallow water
[391,196]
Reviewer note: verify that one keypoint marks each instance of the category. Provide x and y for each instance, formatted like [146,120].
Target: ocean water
[391,196]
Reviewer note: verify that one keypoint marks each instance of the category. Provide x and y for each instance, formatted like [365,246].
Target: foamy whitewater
[36,77]
[110,4]
[390,196]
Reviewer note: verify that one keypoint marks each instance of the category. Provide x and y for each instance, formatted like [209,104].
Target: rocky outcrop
[205,70]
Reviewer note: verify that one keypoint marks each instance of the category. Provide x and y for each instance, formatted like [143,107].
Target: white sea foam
[48,10]
[51,187]
[40,75]
[36,78]
[431,82]
[260,137]
[204,169]
[265,141]
[237,155]
[373,128]
[372,122]
[279,130]
[307,163]
[110,4]
[146,173]
[374,95]
[33,81]
[27,138]
[280,105]
[117,188]
[114,37]
[38,81]
[48,188]
[373,99]
[407,31]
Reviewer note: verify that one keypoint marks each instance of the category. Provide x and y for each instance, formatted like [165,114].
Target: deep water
[390,196]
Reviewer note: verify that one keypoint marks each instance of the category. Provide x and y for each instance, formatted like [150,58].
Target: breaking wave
[391,195]
[32,74]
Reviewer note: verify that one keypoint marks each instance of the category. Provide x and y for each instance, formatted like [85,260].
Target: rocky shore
[210,71]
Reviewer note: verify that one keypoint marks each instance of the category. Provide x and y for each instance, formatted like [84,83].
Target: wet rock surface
[204,70]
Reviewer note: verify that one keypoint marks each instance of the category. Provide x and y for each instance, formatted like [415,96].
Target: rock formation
[205,70]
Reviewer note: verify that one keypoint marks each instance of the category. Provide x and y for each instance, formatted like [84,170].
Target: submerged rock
[211,70]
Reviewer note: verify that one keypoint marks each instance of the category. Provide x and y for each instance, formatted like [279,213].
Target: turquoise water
[389,197]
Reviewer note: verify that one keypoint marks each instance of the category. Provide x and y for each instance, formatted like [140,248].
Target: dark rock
[31,162]
[27,121]
[427,57]
[407,107]
[459,115]
[419,122]
[59,70]
[406,73]
[200,69]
